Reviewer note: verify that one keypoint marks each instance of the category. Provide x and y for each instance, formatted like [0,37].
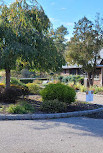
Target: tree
[58,36]
[85,45]
[23,37]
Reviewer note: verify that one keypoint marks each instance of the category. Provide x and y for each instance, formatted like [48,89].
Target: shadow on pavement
[87,126]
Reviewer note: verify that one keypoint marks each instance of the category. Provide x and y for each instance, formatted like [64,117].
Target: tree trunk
[7,78]
[90,79]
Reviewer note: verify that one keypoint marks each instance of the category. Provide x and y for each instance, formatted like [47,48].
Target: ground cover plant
[22,107]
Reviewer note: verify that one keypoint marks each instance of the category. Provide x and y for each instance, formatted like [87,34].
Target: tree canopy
[58,36]
[23,37]
[85,45]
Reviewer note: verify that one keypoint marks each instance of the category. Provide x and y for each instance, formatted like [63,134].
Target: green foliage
[78,86]
[96,89]
[59,38]
[11,94]
[85,45]
[2,88]
[19,85]
[71,78]
[23,38]
[21,108]
[27,74]
[58,91]
[26,80]
[60,78]
[17,82]
[53,106]
[34,88]
[83,88]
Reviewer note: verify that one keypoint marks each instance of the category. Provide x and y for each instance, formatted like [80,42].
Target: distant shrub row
[71,78]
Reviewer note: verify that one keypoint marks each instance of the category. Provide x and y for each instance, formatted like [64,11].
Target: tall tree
[58,36]
[84,47]
[23,35]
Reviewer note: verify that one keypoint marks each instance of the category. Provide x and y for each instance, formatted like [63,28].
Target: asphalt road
[67,135]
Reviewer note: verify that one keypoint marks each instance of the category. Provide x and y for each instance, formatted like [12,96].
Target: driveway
[67,135]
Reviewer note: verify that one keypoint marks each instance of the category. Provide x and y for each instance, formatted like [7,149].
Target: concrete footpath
[97,99]
[67,135]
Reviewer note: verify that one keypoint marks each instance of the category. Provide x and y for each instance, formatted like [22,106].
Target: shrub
[25,90]
[2,88]
[60,78]
[34,88]
[72,78]
[17,82]
[11,94]
[21,108]
[25,73]
[83,88]
[26,80]
[19,85]
[96,89]
[2,84]
[53,106]
[58,91]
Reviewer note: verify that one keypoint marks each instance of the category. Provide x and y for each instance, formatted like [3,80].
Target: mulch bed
[76,106]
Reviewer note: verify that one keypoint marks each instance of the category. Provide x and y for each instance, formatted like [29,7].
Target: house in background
[77,70]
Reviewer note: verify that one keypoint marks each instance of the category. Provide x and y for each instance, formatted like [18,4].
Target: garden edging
[47,116]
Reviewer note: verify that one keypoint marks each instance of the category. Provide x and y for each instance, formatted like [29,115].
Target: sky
[66,12]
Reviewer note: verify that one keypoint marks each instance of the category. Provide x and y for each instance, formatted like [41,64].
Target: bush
[24,89]
[19,85]
[60,78]
[17,82]
[11,94]
[53,106]
[2,88]
[58,91]
[72,78]
[26,80]
[27,74]
[96,89]
[83,88]
[21,108]
[34,88]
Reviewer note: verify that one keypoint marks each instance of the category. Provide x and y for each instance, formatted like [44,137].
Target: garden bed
[35,101]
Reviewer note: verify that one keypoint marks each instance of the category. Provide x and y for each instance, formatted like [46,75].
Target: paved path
[70,135]
[98,99]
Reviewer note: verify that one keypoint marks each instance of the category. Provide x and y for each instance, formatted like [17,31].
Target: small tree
[84,47]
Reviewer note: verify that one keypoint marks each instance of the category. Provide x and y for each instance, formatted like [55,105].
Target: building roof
[67,66]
